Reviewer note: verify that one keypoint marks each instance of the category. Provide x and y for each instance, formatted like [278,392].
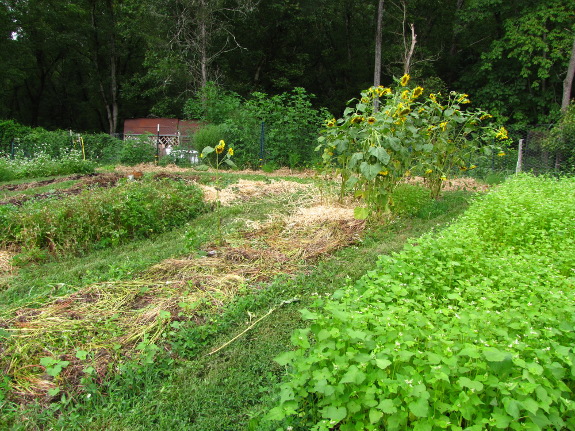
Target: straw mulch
[245,189]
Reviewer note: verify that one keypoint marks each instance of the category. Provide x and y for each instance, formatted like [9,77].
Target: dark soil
[86,182]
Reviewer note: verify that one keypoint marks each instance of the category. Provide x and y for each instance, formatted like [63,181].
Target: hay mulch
[463,183]
[152,168]
[246,189]
[115,321]
[6,267]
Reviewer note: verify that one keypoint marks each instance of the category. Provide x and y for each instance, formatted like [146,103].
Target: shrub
[374,150]
[100,218]
[138,150]
[469,329]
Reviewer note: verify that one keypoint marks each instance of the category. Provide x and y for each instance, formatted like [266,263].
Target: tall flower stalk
[222,156]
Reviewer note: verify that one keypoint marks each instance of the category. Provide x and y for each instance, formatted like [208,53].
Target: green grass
[232,389]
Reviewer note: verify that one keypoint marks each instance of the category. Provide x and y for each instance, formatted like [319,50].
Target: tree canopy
[87,64]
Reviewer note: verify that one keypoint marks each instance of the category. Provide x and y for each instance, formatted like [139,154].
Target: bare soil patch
[85,182]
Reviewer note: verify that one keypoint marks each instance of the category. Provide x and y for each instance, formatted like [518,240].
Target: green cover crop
[471,328]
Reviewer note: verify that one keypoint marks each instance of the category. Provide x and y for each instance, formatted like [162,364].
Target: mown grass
[186,388]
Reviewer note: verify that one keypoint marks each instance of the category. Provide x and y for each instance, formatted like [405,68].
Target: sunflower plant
[374,150]
[457,138]
[221,156]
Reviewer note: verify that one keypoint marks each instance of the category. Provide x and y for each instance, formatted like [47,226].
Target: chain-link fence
[538,152]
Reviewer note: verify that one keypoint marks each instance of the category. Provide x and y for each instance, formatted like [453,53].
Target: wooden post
[519,157]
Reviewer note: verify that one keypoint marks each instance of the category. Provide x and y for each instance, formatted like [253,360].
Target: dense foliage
[277,130]
[99,218]
[470,328]
[430,135]
[87,65]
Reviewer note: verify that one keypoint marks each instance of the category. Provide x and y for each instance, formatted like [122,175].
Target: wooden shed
[166,132]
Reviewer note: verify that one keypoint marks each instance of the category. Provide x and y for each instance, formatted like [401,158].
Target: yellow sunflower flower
[417,91]
[404,80]
[220,147]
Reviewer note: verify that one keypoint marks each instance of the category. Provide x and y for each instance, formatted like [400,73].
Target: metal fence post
[519,166]
[262,144]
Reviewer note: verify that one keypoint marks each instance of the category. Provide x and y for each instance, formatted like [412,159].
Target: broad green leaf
[82,355]
[471,384]
[494,355]
[275,414]
[370,171]
[47,361]
[512,407]
[419,408]
[382,363]
[380,154]
[387,407]
[530,405]
[353,375]
[356,157]
[361,213]
[335,414]
[374,416]
[502,420]
[308,315]
[53,392]
[285,358]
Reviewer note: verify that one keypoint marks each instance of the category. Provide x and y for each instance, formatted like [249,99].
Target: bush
[100,218]
[102,148]
[469,329]
[291,125]
[138,150]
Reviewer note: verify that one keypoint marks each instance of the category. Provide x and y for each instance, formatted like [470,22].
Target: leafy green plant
[212,104]
[469,329]
[561,138]
[141,149]
[100,218]
[43,165]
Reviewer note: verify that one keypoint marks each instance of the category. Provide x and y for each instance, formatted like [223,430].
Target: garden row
[99,218]
[470,328]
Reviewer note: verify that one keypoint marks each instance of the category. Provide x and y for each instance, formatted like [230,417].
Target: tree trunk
[377,67]
[568,81]
[567,87]
[409,52]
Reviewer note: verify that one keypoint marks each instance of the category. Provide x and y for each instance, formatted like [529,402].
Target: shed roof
[163,126]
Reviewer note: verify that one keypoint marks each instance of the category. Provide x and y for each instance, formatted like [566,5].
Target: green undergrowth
[470,328]
[99,218]
[43,165]
[186,388]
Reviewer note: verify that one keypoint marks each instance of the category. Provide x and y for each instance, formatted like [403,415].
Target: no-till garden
[170,300]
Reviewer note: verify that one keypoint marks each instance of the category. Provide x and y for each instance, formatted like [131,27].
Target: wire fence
[538,153]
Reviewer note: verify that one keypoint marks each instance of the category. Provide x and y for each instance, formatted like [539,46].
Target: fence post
[519,157]
[262,143]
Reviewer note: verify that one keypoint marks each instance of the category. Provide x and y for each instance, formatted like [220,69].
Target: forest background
[87,65]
